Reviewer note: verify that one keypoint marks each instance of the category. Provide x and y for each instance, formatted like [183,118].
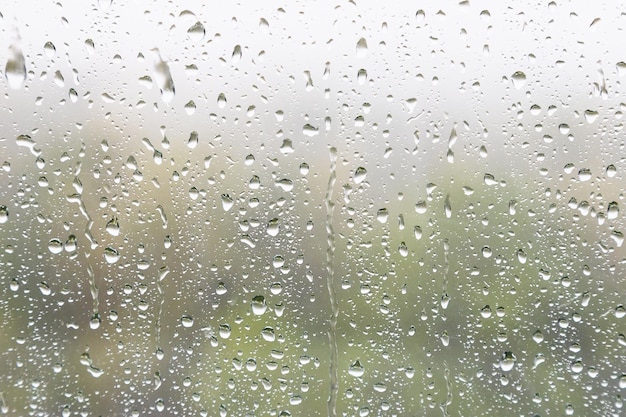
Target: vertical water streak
[330,285]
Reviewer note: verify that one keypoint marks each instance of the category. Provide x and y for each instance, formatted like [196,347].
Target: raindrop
[227,202]
[359,175]
[519,79]
[361,48]
[236,55]
[190,107]
[196,32]
[192,142]
[113,227]
[310,131]
[111,255]
[15,70]
[258,305]
[382,215]
[163,77]
[507,361]
[584,174]
[186,320]
[613,211]
[362,77]
[4,214]
[55,246]
[221,101]
[50,49]
[356,369]
[404,251]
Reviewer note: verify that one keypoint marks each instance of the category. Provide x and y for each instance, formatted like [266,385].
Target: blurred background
[312,208]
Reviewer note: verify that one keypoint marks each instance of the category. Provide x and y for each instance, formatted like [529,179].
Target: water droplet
[236,55]
[538,336]
[190,107]
[285,184]
[163,77]
[55,246]
[221,101]
[95,372]
[310,131]
[49,49]
[361,77]
[272,227]
[486,251]
[382,215]
[519,79]
[591,116]
[227,202]
[196,32]
[94,323]
[356,369]
[611,171]
[113,227]
[258,305]
[521,256]
[27,142]
[4,214]
[359,175]
[404,251]
[584,174]
[361,48]
[186,320]
[111,255]
[613,211]
[507,361]
[192,142]
[15,69]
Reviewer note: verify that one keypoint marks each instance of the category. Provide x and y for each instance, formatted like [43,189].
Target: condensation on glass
[312,208]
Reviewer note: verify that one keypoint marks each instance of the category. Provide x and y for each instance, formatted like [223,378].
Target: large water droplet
[196,32]
[519,79]
[361,48]
[4,214]
[507,361]
[359,175]
[163,77]
[15,69]
[258,305]
[356,369]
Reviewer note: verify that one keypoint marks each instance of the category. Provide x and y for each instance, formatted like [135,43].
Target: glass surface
[312,208]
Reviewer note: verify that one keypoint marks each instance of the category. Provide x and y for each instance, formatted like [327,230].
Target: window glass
[312,208]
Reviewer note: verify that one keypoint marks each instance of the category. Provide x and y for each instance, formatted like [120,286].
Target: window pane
[312,209]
